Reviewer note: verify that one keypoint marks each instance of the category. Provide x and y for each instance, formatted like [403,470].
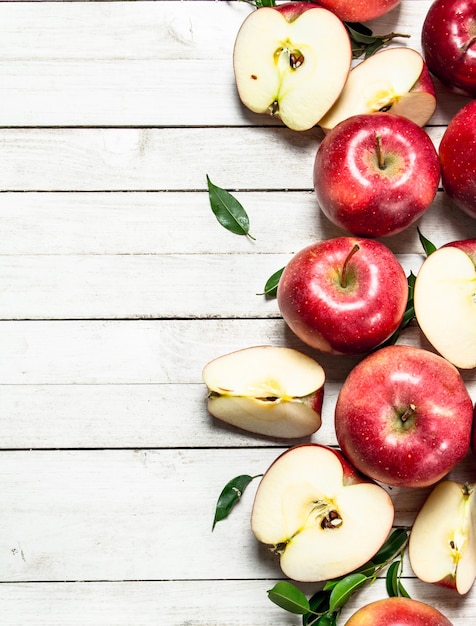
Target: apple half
[292,62]
[268,390]
[445,304]
[320,515]
[395,80]
[442,546]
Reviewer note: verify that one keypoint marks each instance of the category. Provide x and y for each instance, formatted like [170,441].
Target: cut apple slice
[395,80]
[269,390]
[442,547]
[319,514]
[445,304]
[291,65]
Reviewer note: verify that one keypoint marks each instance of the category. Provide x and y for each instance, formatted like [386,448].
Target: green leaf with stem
[428,246]
[230,495]
[271,286]
[228,211]
[289,597]
[393,580]
[327,603]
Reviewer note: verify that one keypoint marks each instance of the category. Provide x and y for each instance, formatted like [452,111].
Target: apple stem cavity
[344,274]
[468,44]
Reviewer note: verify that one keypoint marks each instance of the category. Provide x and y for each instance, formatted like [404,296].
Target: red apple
[449,44]
[404,416]
[345,295]
[375,174]
[308,509]
[457,153]
[445,302]
[292,62]
[398,612]
[359,10]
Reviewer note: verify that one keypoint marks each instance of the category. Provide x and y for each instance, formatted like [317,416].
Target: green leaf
[428,247]
[229,496]
[395,543]
[289,598]
[402,591]
[364,42]
[228,211]
[391,580]
[319,604]
[344,589]
[271,286]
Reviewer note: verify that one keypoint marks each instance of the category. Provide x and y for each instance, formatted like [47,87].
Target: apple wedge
[442,546]
[268,390]
[291,61]
[445,304]
[320,515]
[396,80]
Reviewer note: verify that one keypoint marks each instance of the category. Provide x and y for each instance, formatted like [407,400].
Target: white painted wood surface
[117,285]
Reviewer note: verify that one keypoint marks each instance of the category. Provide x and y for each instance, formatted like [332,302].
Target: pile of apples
[403,416]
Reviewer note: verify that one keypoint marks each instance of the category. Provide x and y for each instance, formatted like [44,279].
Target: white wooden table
[117,285]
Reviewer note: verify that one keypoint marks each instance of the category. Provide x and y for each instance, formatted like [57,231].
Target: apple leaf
[393,581]
[228,211]
[289,597]
[364,42]
[428,247]
[271,286]
[344,589]
[394,545]
[229,496]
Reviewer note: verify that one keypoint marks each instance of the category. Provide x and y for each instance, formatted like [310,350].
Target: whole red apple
[449,44]
[345,295]
[404,416]
[457,153]
[375,174]
[360,10]
[398,612]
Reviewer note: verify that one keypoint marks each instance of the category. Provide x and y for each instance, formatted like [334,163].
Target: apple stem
[408,413]
[468,44]
[343,278]
[380,156]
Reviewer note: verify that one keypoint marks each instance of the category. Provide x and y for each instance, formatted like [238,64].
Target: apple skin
[449,44]
[398,612]
[337,319]
[396,382]
[457,153]
[360,10]
[360,196]
[466,245]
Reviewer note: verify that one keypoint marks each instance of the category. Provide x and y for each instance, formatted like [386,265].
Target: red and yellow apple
[398,612]
[292,61]
[321,516]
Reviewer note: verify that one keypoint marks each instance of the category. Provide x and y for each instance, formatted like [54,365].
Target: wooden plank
[230,602]
[142,286]
[135,514]
[159,159]
[132,66]
[159,223]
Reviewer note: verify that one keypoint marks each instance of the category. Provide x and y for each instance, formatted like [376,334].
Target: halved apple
[291,61]
[395,80]
[445,304]
[320,515]
[269,390]
[442,546]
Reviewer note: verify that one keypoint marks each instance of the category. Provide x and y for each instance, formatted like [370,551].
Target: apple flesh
[457,152]
[345,295]
[449,44]
[395,80]
[445,303]
[292,62]
[442,546]
[398,612]
[375,174]
[268,390]
[403,416]
[319,514]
